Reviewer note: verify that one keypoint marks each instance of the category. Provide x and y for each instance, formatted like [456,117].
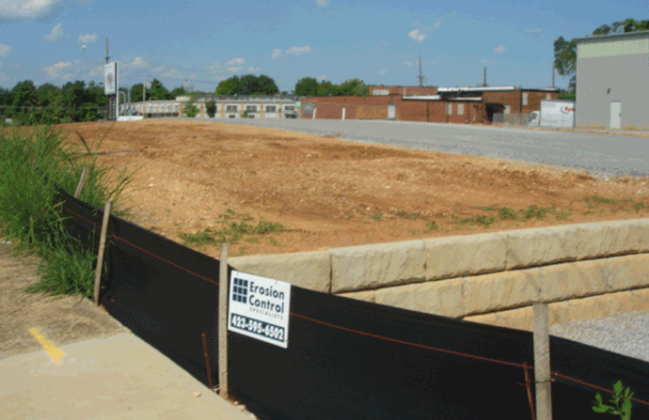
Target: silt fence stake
[223,322]
[207,361]
[82,181]
[102,245]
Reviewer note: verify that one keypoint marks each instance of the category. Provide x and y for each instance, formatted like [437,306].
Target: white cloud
[55,34]
[77,61]
[322,77]
[408,63]
[192,76]
[417,36]
[253,69]
[432,62]
[66,76]
[236,62]
[322,3]
[438,24]
[87,39]
[53,70]
[278,53]
[485,61]
[173,74]
[159,69]
[21,9]
[533,30]
[138,62]
[382,72]
[99,71]
[214,67]
[298,50]
[500,49]
[234,69]
[5,50]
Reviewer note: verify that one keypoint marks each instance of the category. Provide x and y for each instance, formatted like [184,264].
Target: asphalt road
[599,153]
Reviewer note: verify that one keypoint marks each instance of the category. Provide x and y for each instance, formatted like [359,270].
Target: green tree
[353,87]
[326,88]
[267,85]
[228,86]
[210,107]
[158,92]
[50,104]
[25,98]
[248,85]
[179,91]
[307,86]
[190,109]
[136,92]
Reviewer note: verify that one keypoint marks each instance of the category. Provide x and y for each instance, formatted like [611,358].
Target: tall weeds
[31,166]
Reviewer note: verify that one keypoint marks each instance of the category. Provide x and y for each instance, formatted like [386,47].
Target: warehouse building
[613,81]
[432,104]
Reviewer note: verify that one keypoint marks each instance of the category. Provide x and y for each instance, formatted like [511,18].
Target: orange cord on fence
[377,336]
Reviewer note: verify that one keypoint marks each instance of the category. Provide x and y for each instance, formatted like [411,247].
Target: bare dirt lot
[268,191]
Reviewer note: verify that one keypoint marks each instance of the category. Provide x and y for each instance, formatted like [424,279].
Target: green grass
[533,211]
[604,200]
[31,165]
[231,233]
[432,226]
[377,216]
[508,214]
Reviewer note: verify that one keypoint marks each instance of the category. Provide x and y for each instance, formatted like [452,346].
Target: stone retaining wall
[491,278]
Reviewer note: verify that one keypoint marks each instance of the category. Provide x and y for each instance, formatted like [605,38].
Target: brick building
[460,105]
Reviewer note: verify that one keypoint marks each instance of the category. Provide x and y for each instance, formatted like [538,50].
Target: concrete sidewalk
[119,377]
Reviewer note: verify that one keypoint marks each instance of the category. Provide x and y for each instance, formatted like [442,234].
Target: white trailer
[553,113]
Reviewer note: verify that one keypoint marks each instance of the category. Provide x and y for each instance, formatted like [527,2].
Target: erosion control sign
[259,308]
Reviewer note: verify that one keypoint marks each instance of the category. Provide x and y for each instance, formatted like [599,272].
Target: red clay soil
[196,179]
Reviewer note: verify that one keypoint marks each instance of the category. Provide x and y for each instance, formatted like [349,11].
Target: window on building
[232,116]
[524,98]
[271,108]
[251,108]
[289,108]
[508,109]
[176,107]
[547,96]
[231,108]
[460,109]
[449,109]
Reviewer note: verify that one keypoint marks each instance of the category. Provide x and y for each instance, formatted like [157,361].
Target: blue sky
[377,41]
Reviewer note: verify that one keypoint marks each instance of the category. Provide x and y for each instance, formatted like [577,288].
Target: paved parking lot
[600,153]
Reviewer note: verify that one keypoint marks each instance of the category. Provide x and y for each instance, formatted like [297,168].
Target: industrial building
[612,81]
[430,104]
[226,106]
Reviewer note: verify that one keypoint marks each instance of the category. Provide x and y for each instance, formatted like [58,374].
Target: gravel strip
[625,333]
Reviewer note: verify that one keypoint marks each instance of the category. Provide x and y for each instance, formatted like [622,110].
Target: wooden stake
[207,361]
[542,362]
[82,181]
[223,322]
[102,244]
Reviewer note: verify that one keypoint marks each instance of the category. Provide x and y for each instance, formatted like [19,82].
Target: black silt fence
[346,358]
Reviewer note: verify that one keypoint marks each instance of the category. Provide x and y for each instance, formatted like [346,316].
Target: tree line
[565,52]
[26,104]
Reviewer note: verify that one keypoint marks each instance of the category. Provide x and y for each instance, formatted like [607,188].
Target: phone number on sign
[258,327]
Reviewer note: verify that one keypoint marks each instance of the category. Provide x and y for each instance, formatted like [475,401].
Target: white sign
[259,308]
[110,78]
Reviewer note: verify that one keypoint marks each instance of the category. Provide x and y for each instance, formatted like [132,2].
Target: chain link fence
[511,119]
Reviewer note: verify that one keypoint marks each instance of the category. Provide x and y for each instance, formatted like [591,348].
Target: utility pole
[144,97]
[107,56]
[484,83]
[421,78]
[553,74]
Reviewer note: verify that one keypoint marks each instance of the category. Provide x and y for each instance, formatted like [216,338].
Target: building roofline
[438,98]
[475,89]
[542,89]
[612,36]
